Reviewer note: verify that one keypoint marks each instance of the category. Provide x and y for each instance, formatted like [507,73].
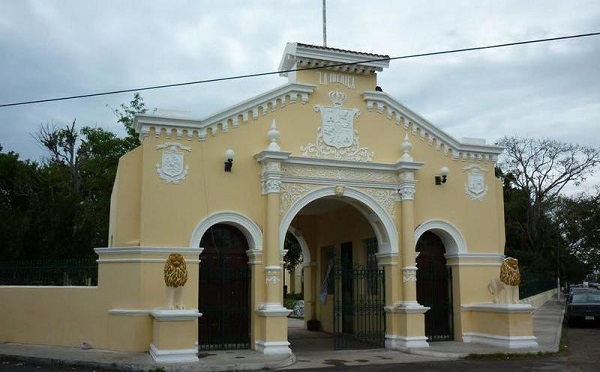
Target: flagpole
[324,23]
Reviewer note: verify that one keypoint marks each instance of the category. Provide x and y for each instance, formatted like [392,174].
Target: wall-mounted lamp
[443,177]
[229,155]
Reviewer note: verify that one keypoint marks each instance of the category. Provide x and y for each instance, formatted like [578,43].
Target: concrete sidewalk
[311,350]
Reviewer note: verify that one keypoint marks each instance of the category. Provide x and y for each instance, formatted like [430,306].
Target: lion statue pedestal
[175,329]
[505,322]
[505,289]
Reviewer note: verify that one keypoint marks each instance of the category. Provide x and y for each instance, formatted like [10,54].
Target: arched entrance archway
[434,287]
[346,288]
[224,290]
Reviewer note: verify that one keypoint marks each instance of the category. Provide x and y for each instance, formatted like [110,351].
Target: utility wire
[428,54]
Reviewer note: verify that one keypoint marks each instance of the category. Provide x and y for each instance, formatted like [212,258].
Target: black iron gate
[434,289]
[223,297]
[358,310]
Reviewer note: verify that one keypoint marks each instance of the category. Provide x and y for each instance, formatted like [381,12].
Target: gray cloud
[55,48]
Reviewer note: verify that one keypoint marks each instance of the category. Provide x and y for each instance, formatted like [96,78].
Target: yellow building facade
[401,225]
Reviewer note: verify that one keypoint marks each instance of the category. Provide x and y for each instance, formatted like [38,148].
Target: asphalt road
[583,354]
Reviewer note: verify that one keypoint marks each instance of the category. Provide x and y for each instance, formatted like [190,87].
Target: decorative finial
[273,136]
[406,148]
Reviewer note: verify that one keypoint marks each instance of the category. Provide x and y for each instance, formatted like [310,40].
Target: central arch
[382,223]
[343,271]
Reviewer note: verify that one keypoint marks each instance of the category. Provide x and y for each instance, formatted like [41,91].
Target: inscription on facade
[326,78]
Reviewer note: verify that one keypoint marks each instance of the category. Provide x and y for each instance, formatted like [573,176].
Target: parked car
[583,306]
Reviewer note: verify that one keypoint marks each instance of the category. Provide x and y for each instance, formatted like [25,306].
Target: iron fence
[532,284]
[52,272]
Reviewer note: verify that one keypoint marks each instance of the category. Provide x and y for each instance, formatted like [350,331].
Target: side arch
[451,237]
[303,246]
[383,225]
[248,227]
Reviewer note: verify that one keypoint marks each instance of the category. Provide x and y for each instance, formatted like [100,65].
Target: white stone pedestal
[174,337]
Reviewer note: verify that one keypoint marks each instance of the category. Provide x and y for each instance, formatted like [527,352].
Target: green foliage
[544,229]
[60,209]
[294,252]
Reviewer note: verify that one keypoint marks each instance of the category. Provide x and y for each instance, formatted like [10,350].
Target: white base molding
[394,342]
[173,356]
[412,307]
[273,347]
[509,342]
[268,309]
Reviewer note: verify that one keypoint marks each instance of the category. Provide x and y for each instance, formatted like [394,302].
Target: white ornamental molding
[291,193]
[475,188]
[386,198]
[271,186]
[339,174]
[336,137]
[172,169]
[409,274]
[406,190]
[272,275]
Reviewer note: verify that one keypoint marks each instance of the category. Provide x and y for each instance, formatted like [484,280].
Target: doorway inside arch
[224,290]
[434,287]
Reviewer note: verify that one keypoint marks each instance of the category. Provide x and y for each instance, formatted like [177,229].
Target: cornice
[401,115]
[303,55]
[349,164]
[223,120]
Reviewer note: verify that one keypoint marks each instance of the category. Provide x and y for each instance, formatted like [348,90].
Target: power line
[428,54]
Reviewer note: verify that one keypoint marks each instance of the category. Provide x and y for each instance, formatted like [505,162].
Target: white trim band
[509,342]
[499,308]
[166,315]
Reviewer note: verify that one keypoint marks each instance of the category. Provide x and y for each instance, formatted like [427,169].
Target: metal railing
[51,272]
[532,284]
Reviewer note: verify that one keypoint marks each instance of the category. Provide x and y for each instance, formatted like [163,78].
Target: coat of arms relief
[336,137]
[172,168]
[475,187]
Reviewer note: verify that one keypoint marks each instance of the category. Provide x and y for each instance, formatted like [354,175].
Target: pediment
[222,121]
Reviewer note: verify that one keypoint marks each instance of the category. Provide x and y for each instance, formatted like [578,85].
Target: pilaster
[271,314]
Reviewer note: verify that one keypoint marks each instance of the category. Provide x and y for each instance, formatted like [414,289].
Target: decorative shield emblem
[338,126]
[475,187]
[172,162]
[172,168]
[337,122]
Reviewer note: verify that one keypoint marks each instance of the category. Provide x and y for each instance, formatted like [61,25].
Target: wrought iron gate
[358,310]
[434,287]
[225,320]
[224,290]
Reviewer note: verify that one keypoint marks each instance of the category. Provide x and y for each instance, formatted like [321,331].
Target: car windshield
[585,298]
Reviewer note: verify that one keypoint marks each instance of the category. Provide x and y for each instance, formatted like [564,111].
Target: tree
[535,173]
[579,221]
[126,116]
[541,169]
[62,145]
[68,215]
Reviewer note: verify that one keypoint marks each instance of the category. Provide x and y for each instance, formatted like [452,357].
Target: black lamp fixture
[443,177]
[229,155]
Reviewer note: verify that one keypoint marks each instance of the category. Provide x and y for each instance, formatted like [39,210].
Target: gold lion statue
[175,278]
[505,289]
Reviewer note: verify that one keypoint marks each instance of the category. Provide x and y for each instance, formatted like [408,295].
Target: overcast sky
[52,48]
